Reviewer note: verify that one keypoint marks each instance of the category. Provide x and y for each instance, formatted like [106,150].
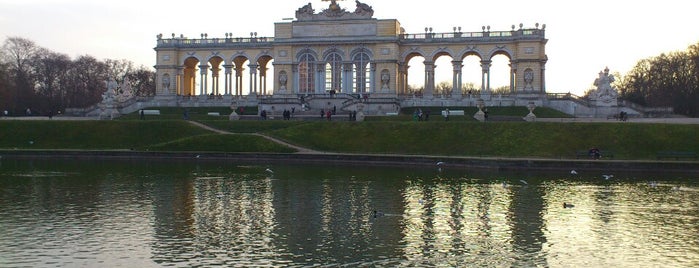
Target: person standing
[446,114]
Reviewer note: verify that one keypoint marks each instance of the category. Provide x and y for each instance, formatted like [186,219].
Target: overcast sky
[584,36]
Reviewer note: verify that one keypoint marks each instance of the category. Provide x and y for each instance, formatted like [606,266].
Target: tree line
[670,80]
[46,82]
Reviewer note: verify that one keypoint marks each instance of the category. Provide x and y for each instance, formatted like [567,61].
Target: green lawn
[380,135]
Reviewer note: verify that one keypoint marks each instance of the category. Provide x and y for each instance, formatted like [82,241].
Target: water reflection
[93,213]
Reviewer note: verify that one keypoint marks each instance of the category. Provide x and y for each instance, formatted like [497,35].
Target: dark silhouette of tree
[670,79]
[46,81]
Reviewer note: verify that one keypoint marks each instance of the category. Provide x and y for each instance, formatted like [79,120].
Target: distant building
[344,51]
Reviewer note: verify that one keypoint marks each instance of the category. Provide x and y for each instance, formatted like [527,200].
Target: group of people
[420,115]
[287,114]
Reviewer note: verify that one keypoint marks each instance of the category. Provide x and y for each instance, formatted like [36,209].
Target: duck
[376,214]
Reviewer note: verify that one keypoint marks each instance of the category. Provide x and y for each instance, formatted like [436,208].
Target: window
[306,73]
[361,72]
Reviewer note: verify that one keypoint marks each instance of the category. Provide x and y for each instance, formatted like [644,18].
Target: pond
[58,213]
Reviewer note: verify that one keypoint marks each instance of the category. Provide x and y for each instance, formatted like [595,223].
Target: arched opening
[240,75]
[443,74]
[333,72]
[266,77]
[416,74]
[361,72]
[214,84]
[189,80]
[306,73]
[472,75]
[500,74]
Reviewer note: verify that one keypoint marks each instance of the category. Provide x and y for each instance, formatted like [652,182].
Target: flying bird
[606,177]
[524,182]
[573,172]
[269,171]
[568,205]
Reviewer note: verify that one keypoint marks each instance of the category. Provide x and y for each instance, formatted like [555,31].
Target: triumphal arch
[346,53]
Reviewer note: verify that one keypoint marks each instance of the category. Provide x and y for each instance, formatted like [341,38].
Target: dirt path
[301,150]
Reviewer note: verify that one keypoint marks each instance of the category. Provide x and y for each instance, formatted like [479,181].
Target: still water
[183,214]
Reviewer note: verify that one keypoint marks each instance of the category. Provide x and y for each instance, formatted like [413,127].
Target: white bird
[440,163]
[653,184]
[524,182]
[197,156]
[573,172]
[269,171]
[606,177]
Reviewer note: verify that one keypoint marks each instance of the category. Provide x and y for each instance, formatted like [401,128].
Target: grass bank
[142,135]
[633,141]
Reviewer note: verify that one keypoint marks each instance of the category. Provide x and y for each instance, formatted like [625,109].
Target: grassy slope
[163,135]
[505,139]
[400,134]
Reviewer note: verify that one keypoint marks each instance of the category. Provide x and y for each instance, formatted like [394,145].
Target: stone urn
[530,117]
[480,115]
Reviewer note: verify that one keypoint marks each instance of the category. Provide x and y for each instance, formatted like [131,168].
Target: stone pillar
[485,82]
[215,80]
[228,79]
[295,78]
[513,76]
[263,80]
[372,78]
[429,79]
[239,80]
[253,78]
[403,77]
[543,79]
[456,84]
[347,77]
[179,82]
[319,85]
[204,71]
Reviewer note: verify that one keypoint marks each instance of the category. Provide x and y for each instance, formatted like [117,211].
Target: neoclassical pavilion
[341,51]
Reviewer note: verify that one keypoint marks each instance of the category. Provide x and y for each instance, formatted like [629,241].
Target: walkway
[301,150]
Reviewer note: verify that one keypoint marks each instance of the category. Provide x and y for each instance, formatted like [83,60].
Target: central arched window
[361,72]
[333,72]
[306,73]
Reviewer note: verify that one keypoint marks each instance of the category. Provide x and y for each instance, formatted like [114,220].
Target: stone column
[215,80]
[543,79]
[372,78]
[239,80]
[403,77]
[253,78]
[319,85]
[456,84]
[179,82]
[228,79]
[295,78]
[429,79]
[347,77]
[513,76]
[263,80]
[485,82]
[204,71]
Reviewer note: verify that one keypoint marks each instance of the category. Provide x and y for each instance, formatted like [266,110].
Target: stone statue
[528,79]
[108,95]
[604,91]
[306,10]
[282,80]
[363,9]
[385,78]
[166,83]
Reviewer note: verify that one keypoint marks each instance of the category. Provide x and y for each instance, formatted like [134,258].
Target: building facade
[341,51]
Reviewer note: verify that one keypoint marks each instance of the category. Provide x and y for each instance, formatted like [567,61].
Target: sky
[584,37]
